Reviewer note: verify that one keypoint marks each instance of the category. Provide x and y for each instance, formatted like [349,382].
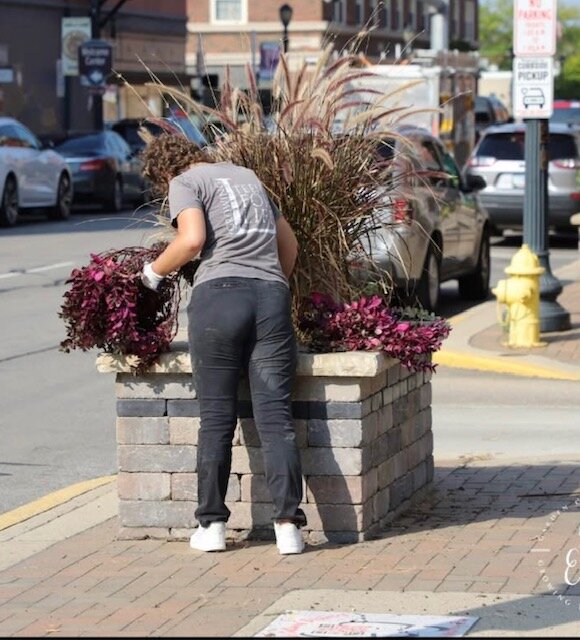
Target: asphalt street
[57,414]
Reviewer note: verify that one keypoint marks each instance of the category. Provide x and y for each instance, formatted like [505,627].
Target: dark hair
[168,155]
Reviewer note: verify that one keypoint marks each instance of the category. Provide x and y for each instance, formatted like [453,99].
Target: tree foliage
[496,31]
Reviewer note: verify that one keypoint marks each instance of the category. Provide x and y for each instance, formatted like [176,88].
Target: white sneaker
[288,538]
[212,538]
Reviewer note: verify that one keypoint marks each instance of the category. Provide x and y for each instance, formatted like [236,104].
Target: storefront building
[148,40]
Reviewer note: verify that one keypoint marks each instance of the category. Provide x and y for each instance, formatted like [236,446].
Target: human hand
[149,278]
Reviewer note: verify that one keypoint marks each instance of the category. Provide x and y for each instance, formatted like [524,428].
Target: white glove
[149,278]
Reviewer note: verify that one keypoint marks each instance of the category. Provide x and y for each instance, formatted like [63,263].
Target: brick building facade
[234,32]
[30,44]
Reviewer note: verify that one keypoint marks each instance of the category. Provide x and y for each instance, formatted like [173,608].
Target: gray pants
[235,325]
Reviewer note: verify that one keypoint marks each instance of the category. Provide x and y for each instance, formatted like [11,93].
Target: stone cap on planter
[364,364]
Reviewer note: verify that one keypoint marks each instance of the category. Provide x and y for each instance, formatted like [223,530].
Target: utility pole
[95,14]
[97,23]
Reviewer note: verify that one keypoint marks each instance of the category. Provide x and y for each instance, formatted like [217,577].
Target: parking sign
[535,27]
[533,87]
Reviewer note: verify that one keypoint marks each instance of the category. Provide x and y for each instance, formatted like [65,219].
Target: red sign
[535,27]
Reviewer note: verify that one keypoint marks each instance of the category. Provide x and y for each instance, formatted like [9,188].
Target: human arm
[287,246]
[188,242]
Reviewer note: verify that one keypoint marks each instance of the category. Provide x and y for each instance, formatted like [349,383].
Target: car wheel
[9,204]
[115,201]
[62,209]
[428,288]
[475,286]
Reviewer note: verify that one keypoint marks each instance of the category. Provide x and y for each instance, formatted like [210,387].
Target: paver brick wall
[365,440]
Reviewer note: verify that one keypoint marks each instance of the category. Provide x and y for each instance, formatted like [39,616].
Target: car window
[116,144]
[562,146]
[566,116]
[26,137]
[427,156]
[131,135]
[8,137]
[510,146]
[122,145]
[450,167]
[94,142]
[503,146]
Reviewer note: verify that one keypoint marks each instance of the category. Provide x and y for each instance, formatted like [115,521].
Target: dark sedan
[104,169]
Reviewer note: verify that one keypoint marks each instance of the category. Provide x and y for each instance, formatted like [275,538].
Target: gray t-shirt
[240,221]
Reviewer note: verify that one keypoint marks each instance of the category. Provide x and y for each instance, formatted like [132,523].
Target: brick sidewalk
[563,346]
[486,526]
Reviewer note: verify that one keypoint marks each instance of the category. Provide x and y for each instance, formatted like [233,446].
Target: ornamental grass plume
[107,307]
[316,153]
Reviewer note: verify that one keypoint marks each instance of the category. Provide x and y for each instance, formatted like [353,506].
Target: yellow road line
[26,511]
[497,365]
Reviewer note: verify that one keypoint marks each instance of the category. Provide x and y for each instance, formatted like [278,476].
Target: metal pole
[66,112]
[552,316]
[95,14]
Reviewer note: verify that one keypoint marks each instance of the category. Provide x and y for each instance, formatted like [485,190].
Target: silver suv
[435,229]
[499,159]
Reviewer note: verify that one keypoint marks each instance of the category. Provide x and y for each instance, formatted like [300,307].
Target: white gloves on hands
[149,278]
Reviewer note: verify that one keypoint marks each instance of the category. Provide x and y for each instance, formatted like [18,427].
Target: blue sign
[269,59]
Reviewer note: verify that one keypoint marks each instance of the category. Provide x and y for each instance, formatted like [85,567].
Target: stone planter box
[364,430]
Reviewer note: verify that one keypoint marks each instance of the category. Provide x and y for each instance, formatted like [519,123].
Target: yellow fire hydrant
[521,294]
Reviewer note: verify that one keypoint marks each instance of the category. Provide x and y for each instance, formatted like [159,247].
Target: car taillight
[402,211]
[567,163]
[575,195]
[481,161]
[93,165]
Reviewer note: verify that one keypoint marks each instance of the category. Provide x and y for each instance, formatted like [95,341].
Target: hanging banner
[95,63]
[269,58]
[74,31]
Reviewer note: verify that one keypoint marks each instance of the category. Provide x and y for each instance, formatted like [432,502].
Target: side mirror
[474,182]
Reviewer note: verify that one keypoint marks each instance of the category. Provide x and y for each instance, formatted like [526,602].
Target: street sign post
[533,87]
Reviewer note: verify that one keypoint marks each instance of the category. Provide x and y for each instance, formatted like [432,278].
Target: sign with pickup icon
[533,88]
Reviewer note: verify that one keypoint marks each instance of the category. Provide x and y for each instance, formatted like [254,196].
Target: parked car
[439,232]
[128,129]
[104,169]
[32,176]
[566,112]
[499,159]
[489,110]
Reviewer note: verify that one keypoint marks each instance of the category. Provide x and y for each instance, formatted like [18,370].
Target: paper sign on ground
[320,624]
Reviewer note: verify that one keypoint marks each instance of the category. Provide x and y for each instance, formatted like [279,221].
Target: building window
[339,11]
[396,15]
[358,12]
[412,17]
[454,22]
[229,11]
[384,14]
[420,16]
[373,19]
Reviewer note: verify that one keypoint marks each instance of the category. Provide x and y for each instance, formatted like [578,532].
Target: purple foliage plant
[368,324]
[107,307]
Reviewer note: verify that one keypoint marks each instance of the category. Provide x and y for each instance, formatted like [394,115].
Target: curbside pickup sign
[533,87]
[535,27]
